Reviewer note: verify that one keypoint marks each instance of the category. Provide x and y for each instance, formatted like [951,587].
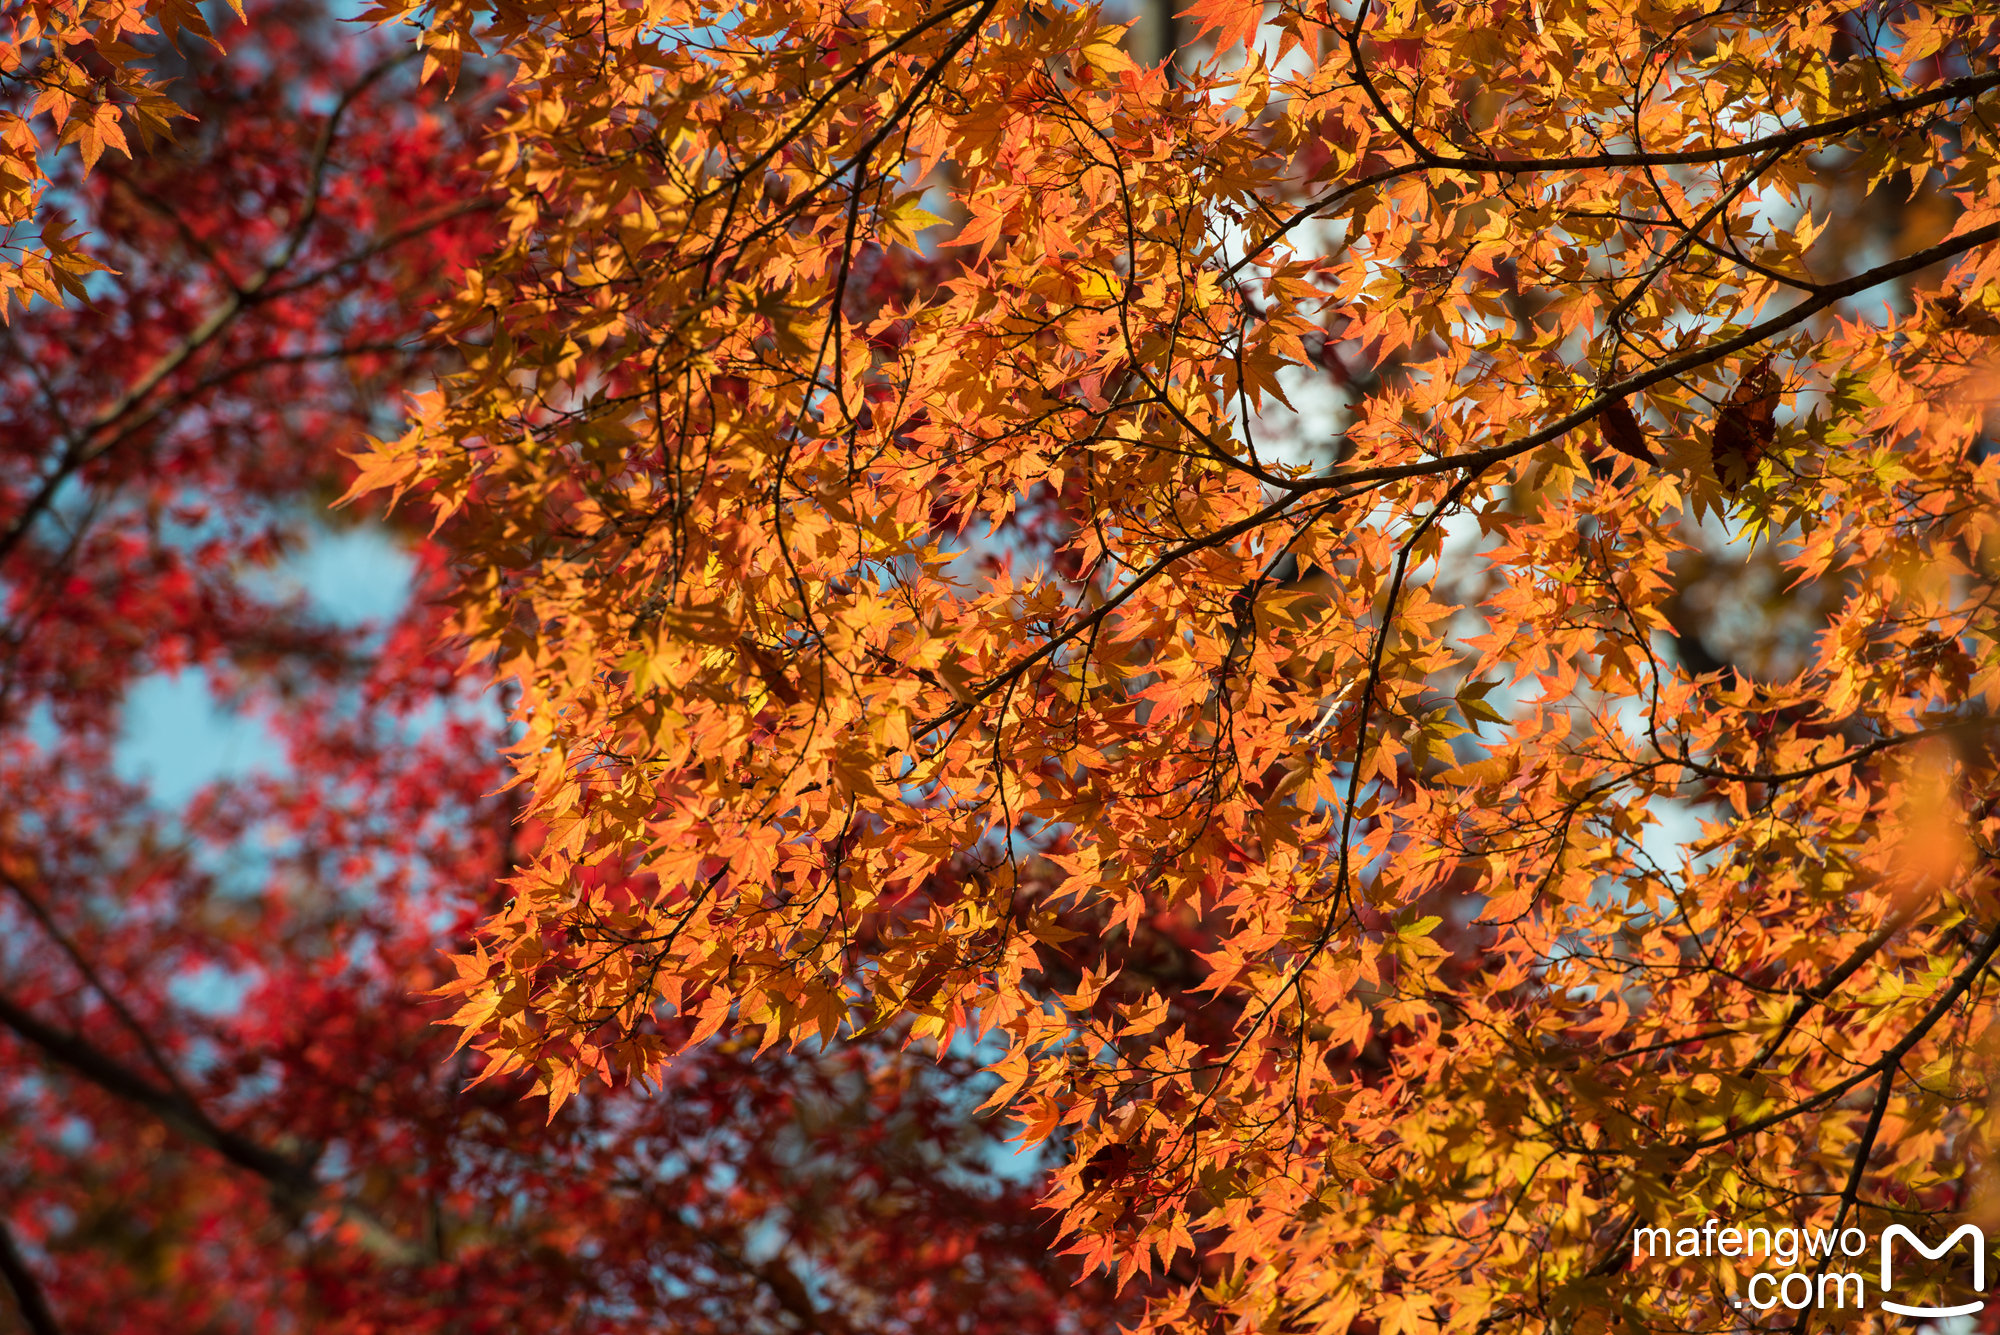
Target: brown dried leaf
[1746,427]
[1623,433]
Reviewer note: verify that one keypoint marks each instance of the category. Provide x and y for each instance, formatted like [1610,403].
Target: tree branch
[1950,91]
[28,1295]
[79,452]
[97,983]
[1829,294]
[292,1179]
[1861,954]
[1888,1061]
[1478,461]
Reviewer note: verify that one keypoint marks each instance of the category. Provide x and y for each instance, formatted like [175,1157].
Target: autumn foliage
[1377,641]
[225,1108]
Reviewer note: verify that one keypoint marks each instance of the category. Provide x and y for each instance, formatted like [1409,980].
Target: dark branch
[28,1295]
[291,1178]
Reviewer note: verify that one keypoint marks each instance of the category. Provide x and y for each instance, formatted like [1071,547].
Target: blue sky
[177,738]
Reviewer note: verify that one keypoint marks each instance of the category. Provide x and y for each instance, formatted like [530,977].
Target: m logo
[1895,1231]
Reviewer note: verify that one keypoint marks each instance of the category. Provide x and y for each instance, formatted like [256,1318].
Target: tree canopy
[222,1108]
[1389,621]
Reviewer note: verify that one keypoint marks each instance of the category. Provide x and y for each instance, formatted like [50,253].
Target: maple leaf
[1746,426]
[1234,22]
[1045,623]
[1623,433]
